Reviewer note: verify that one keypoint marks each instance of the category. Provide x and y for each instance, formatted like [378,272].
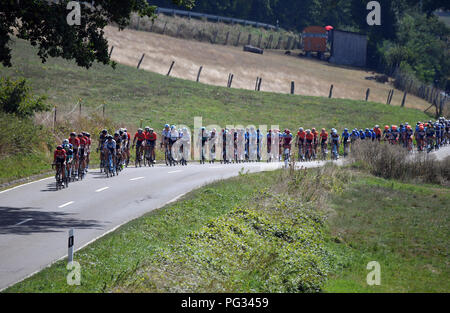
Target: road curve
[35,218]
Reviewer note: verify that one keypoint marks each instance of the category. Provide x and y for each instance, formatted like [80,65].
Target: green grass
[236,235]
[132,95]
[106,263]
[402,226]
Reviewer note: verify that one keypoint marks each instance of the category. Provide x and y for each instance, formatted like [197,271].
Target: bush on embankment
[393,162]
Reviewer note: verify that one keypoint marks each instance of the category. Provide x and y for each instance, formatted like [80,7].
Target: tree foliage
[44,24]
[16,98]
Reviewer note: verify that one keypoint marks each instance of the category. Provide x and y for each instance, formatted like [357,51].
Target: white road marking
[101,189]
[174,172]
[137,178]
[217,167]
[66,204]
[23,222]
[36,181]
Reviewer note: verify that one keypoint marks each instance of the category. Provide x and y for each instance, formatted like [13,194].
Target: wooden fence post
[392,95]
[259,40]
[330,95]
[199,72]
[79,109]
[367,94]
[140,61]
[110,51]
[259,84]
[269,43]
[404,98]
[138,22]
[292,87]
[104,105]
[288,44]
[230,80]
[226,38]
[164,29]
[279,42]
[170,69]
[238,38]
[389,95]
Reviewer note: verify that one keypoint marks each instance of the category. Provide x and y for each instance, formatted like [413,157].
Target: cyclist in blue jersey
[345,139]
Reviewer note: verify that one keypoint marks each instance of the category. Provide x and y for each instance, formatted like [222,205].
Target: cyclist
[409,137]
[101,145]
[287,139]
[259,138]
[75,142]
[324,142]
[138,141]
[335,143]
[119,155]
[88,148]
[59,159]
[309,140]
[110,149]
[315,141]
[345,140]
[362,135]
[377,132]
[67,146]
[395,134]
[368,134]
[82,152]
[269,145]
[430,134]
[151,143]
[420,137]
[401,135]
[385,133]
[300,143]
[212,138]
[437,128]
[165,135]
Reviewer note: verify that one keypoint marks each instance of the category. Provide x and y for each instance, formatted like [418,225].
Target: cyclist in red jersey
[316,140]
[140,137]
[300,143]
[324,141]
[75,142]
[309,138]
[59,159]
[82,151]
[150,138]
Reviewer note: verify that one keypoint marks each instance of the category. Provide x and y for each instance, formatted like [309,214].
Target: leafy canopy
[44,24]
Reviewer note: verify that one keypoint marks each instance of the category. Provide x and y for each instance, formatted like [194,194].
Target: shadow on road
[34,221]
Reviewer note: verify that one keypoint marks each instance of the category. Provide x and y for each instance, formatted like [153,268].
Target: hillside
[312,77]
[131,95]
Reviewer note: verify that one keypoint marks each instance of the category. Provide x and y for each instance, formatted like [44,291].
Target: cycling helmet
[367,130]
[203,128]
[394,127]
[59,148]
[121,132]
[140,130]
[80,135]
[308,131]
[72,134]
[125,130]
[300,129]
[151,130]
[408,127]
[172,127]
[166,126]
[313,129]
[116,134]
[65,142]
[213,130]
[147,127]
[324,130]
[110,137]
[88,135]
[104,131]
[346,130]
[288,131]
[377,126]
[335,131]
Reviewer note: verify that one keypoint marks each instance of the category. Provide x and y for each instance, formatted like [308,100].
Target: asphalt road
[35,218]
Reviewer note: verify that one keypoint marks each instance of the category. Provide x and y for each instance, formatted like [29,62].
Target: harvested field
[312,77]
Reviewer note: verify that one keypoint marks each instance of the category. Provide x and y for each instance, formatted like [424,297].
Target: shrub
[393,162]
[16,98]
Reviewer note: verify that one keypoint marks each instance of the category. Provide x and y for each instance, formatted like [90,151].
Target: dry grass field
[312,77]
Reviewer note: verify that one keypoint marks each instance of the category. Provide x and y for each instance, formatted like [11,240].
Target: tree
[44,24]
[16,98]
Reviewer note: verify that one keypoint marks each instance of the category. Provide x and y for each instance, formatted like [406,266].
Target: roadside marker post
[70,246]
